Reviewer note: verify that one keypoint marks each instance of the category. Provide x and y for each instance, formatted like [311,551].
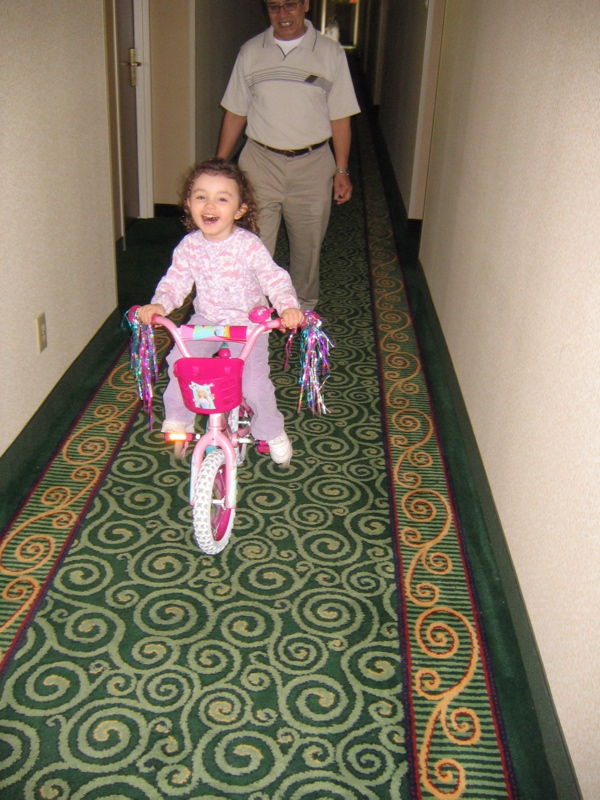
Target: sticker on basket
[205,331]
[203,397]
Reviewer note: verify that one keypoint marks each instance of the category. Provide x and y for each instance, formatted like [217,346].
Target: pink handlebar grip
[260,314]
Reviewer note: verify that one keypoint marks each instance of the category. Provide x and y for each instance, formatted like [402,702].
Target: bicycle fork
[216,437]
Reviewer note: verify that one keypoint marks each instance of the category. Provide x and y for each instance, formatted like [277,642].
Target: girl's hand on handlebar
[291,318]
[145,313]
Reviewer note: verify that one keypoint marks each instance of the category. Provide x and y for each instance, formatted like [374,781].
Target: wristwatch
[342,172]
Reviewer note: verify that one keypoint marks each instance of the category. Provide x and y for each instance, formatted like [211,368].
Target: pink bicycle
[213,387]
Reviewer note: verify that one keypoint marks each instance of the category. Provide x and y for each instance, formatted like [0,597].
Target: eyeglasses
[275,8]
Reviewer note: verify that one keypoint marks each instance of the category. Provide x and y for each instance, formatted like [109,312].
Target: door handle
[132,64]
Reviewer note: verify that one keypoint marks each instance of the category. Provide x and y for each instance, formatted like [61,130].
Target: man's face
[287,24]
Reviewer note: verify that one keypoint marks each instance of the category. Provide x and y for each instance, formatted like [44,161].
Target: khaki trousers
[299,189]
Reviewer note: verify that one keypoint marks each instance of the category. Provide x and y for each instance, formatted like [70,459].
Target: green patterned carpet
[330,653]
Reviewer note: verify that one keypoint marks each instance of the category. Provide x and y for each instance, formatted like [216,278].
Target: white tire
[212,521]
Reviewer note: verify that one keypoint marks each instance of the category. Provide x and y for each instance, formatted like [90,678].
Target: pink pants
[257,388]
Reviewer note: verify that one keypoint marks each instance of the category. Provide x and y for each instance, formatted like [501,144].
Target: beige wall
[56,234]
[371,45]
[510,245]
[194,45]
[404,86]
[171,23]
[400,89]
[221,27]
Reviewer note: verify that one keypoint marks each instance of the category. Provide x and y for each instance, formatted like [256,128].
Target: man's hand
[291,318]
[341,136]
[342,188]
[232,128]
[145,313]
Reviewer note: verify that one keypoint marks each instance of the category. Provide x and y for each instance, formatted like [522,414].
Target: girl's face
[214,204]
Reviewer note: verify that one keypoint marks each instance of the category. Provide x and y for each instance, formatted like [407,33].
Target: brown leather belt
[293,153]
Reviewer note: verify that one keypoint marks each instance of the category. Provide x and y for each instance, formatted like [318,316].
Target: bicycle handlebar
[219,333]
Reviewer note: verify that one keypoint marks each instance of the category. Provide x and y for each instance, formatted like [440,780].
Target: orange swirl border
[442,652]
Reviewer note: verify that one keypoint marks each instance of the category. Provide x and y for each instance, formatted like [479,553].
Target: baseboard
[25,459]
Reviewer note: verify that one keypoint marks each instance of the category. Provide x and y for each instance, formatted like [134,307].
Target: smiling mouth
[210,218]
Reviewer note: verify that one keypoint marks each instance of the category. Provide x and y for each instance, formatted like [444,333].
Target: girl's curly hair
[218,166]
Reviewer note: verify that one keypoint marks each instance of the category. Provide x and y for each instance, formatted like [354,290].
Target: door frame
[429,78]
[141,24]
[141,12]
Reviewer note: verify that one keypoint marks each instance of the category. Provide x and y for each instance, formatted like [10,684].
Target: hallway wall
[220,30]
[173,139]
[194,46]
[56,237]
[401,90]
[510,244]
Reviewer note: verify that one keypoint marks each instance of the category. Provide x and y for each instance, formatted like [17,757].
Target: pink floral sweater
[231,277]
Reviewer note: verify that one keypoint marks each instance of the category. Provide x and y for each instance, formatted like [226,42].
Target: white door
[128,66]
[128,48]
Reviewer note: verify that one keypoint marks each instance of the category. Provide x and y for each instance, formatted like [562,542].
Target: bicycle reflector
[178,437]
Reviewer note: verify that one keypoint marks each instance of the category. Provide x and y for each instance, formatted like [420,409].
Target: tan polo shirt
[290,99]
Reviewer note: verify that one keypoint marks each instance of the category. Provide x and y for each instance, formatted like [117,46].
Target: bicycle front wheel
[212,521]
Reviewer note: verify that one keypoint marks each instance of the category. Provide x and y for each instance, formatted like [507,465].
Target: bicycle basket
[210,385]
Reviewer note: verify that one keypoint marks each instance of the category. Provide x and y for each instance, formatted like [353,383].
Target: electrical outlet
[42,333]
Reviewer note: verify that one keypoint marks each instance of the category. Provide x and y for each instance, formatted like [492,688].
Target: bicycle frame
[218,433]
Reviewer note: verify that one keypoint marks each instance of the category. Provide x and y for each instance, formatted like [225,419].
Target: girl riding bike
[232,272]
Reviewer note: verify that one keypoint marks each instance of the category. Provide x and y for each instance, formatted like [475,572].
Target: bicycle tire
[212,523]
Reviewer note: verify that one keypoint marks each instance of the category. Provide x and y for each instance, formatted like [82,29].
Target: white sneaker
[281,450]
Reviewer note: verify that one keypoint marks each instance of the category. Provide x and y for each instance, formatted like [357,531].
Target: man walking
[291,90]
